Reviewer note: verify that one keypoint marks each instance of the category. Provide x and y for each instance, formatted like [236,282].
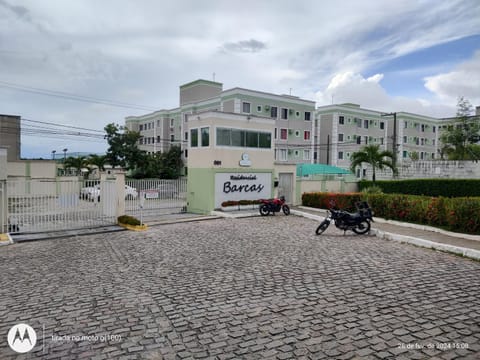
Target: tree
[77,163]
[167,165]
[98,160]
[372,155]
[123,150]
[461,133]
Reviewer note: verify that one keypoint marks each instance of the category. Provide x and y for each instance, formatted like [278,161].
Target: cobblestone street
[255,288]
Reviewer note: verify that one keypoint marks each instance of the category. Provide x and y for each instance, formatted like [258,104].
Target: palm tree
[372,155]
[77,163]
[98,160]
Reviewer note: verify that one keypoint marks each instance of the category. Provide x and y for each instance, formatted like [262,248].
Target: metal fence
[48,205]
[154,197]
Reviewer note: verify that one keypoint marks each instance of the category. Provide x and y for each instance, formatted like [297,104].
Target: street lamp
[64,154]
[53,154]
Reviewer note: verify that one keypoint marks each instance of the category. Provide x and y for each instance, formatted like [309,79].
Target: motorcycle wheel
[286,209]
[322,227]
[362,228]
[264,211]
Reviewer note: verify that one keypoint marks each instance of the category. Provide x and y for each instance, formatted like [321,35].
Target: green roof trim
[319,169]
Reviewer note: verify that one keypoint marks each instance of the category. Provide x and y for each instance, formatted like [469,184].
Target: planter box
[239,207]
[134,227]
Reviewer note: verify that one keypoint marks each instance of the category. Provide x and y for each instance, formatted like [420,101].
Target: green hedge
[460,214]
[428,187]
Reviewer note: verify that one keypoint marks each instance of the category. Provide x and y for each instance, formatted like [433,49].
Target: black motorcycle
[358,222]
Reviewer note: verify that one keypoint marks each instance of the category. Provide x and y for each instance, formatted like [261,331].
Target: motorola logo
[22,338]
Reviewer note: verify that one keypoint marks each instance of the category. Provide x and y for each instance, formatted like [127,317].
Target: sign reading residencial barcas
[242,186]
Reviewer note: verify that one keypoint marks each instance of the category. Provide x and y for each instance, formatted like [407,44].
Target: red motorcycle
[268,206]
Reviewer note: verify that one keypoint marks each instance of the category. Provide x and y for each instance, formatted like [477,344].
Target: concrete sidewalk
[420,235]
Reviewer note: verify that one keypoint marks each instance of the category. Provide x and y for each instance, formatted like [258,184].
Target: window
[340,155]
[306,154]
[276,134]
[158,123]
[423,128]
[158,139]
[171,122]
[382,125]
[194,137]
[359,140]
[282,154]
[366,139]
[405,154]
[365,124]
[297,153]
[405,124]
[405,139]
[297,114]
[246,107]
[284,114]
[308,115]
[433,142]
[306,135]
[297,133]
[340,137]
[283,134]
[434,128]
[381,141]
[205,136]
[341,120]
[186,153]
[273,112]
[172,138]
[259,108]
[186,136]
[141,127]
[243,138]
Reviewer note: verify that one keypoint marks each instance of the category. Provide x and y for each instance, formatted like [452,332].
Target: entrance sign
[242,186]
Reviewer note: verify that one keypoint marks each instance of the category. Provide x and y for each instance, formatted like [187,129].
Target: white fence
[154,197]
[47,205]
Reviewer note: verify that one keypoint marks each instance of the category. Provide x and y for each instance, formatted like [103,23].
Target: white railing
[160,196]
[48,205]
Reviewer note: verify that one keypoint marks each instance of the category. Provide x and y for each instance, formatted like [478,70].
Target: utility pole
[394,142]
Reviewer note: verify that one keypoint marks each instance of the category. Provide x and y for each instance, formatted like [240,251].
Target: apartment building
[343,129]
[10,136]
[292,138]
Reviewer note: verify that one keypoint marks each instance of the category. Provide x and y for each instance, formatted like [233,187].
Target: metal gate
[285,186]
[49,205]
[151,198]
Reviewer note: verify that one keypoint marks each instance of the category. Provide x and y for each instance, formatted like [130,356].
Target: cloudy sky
[87,63]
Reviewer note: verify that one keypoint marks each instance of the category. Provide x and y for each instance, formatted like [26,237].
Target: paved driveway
[243,288]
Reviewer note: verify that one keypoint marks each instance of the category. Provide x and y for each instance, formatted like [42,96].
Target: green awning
[320,169]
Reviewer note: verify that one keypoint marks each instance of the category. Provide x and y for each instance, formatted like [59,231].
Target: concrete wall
[34,169]
[335,186]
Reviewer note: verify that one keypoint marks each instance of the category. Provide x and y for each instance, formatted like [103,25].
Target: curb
[5,239]
[466,252]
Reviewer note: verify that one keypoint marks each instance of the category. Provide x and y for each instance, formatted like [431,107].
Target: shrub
[128,220]
[374,189]
[240,202]
[428,187]
[456,214]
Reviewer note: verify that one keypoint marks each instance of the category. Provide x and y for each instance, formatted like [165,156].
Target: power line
[70,96]
[60,125]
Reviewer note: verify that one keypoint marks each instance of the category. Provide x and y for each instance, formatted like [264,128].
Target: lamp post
[64,154]
[53,154]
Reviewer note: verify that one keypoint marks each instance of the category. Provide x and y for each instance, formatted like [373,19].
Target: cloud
[368,92]
[244,46]
[463,80]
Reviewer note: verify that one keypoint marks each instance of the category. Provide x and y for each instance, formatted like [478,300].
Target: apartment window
[381,141]
[186,153]
[172,138]
[186,136]
[359,140]
[297,153]
[246,107]
[405,139]
[297,114]
[340,137]
[405,154]
[141,141]
[382,125]
[433,156]
[297,133]
[141,127]
[422,141]
[433,142]
[341,120]
[172,122]
[423,128]
[306,154]
[205,136]
[158,123]
[158,139]
[194,137]
[340,155]
[306,135]
[282,154]
[273,112]
[365,124]
[366,139]
[243,138]
[283,134]
[359,122]
[276,134]
[284,114]
[434,128]
[308,115]
[405,124]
